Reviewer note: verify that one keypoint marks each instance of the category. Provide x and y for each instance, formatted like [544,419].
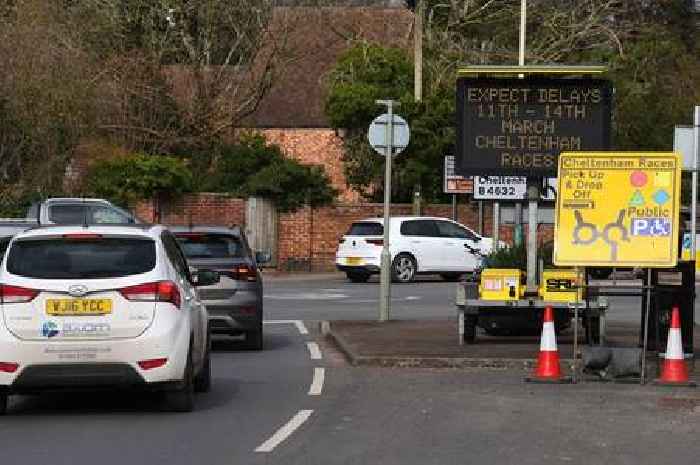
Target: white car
[417,244]
[102,307]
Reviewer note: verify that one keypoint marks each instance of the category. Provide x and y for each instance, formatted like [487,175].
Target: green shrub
[516,257]
[126,180]
[253,167]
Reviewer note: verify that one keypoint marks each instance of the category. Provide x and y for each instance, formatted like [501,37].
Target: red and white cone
[674,370]
[548,368]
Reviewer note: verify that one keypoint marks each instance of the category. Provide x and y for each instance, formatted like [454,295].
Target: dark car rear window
[81,259]
[196,245]
[366,229]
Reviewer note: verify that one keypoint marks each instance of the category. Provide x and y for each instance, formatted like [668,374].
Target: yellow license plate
[353,261]
[67,307]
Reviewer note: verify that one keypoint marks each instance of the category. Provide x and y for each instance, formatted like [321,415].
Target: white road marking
[301,327]
[314,351]
[317,384]
[285,431]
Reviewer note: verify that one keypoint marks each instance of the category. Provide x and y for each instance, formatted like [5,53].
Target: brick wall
[203,208]
[308,238]
[316,146]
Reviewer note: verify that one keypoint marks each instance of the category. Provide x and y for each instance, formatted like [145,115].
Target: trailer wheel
[470,329]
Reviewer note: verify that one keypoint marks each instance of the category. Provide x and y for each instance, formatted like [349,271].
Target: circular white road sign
[378,133]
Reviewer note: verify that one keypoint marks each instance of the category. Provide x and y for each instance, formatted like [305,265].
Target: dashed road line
[285,431]
[317,383]
[301,327]
[314,351]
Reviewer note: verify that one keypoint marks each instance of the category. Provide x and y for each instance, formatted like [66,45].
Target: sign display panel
[508,188]
[454,183]
[617,209]
[510,126]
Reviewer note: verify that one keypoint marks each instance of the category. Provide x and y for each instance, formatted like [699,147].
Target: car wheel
[451,276]
[181,399]
[254,339]
[3,403]
[202,382]
[403,268]
[357,276]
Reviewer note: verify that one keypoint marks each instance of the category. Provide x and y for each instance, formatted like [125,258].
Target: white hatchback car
[102,307]
[417,244]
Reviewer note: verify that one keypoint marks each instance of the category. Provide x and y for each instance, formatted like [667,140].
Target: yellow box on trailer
[560,286]
[501,284]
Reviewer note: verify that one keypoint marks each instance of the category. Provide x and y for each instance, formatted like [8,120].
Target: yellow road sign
[617,209]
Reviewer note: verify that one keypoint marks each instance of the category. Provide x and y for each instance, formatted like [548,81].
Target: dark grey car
[235,304]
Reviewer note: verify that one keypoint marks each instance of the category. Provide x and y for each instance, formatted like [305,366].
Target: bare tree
[182,72]
[46,95]
[463,32]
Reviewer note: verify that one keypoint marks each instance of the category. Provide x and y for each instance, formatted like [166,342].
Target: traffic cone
[548,369]
[674,371]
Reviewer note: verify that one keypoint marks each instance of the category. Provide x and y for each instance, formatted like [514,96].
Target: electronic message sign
[617,209]
[510,126]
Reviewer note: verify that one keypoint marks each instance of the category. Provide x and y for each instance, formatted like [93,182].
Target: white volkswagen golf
[417,244]
[102,307]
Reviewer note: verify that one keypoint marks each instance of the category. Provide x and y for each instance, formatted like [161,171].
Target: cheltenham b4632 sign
[519,126]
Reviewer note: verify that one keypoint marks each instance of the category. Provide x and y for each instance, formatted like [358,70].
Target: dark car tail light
[242,272]
[375,241]
[16,294]
[161,291]
[82,236]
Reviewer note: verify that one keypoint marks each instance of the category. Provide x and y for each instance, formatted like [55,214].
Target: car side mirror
[263,257]
[205,277]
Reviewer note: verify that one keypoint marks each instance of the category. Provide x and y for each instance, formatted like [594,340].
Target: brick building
[291,113]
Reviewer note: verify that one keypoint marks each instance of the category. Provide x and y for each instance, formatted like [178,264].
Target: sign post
[388,135]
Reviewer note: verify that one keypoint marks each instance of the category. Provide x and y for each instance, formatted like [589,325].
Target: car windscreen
[210,245]
[68,214]
[66,258]
[366,229]
[91,214]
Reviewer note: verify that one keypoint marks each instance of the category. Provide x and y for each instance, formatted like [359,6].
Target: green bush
[255,168]
[137,177]
[516,257]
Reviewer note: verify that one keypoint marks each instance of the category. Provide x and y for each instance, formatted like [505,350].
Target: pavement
[434,344]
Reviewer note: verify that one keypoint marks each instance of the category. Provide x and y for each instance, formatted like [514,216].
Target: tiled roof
[317,36]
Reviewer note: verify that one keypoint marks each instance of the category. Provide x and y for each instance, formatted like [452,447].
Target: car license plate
[67,307]
[353,261]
